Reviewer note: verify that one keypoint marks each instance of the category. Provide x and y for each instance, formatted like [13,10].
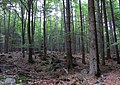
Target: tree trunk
[13,34]
[33,24]
[113,21]
[77,40]
[86,35]
[51,38]
[102,36]
[32,27]
[68,36]
[39,31]
[56,29]
[7,35]
[106,30]
[72,27]
[62,31]
[98,25]
[44,30]
[94,64]
[82,36]
[30,59]
[23,32]
[5,48]
[64,25]
[111,36]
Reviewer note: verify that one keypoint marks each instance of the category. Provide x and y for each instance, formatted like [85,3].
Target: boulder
[10,81]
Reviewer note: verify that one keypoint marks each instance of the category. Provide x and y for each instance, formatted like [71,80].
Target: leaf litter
[52,70]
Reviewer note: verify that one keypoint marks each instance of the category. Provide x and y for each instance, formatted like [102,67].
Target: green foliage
[54,15]
[22,79]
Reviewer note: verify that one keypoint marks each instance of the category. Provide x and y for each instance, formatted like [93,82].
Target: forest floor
[52,70]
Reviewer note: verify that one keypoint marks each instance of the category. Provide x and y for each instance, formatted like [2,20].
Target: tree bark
[7,34]
[30,59]
[23,32]
[111,36]
[94,64]
[68,36]
[72,27]
[106,30]
[33,24]
[5,31]
[64,25]
[62,31]
[39,31]
[44,30]
[98,25]
[82,36]
[102,35]
[32,27]
[113,21]
[13,34]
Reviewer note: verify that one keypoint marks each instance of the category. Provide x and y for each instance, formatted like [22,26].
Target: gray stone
[10,80]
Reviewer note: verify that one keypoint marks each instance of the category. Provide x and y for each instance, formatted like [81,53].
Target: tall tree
[98,24]
[32,26]
[39,31]
[23,30]
[33,23]
[5,47]
[44,29]
[13,34]
[113,21]
[7,33]
[68,36]
[56,27]
[82,36]
[94,64]
[111,34]
[102,35]
[64,23]
[30,59]
[62,30]
[100,30]
[106,30]
[72,27]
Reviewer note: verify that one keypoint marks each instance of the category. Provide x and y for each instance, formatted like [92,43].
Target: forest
[59,42]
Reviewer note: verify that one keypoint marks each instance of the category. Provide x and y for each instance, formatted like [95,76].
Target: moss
[1,77]
[22,79]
